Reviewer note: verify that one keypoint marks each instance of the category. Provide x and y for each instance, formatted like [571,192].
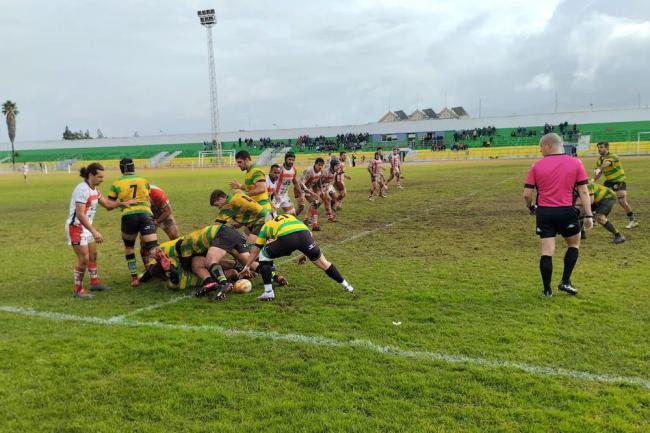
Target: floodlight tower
[208,20]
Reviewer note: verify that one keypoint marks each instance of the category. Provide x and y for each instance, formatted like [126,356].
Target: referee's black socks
[546,269]
[570,260]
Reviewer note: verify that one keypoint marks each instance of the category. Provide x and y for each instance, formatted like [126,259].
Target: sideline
[535,370]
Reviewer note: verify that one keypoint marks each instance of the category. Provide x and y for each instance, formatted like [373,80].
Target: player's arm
[83,219]
[528,198]
[110,204]
[297,187]
[258,187]
[583,191]
[599,170]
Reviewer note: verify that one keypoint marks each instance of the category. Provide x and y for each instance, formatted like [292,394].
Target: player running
[339,182]
[242,210]
[136,219]
[80,231]
[395,168]
[310,186]
[162,212]
[609,165]
[329,195]
[254,184]
[376,177]
[280,237]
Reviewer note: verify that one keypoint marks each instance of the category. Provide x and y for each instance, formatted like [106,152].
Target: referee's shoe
[566,286]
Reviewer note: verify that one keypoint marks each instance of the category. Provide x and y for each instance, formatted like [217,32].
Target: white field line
[171,301]
[535,370]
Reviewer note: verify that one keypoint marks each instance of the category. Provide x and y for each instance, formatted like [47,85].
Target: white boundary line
[494,364]
[174,300]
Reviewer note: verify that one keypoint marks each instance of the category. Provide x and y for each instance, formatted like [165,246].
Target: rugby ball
[242,286]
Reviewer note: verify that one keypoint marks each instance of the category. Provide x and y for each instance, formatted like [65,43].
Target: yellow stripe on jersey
[253,175]
[600,192]
[198,241]
[242,209]
[614,172]
[279,226]
[132,187]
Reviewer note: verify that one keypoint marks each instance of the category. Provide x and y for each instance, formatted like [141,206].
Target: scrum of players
[256,223]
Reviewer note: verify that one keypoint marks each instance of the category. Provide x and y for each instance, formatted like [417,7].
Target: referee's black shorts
[553,220]
[302,241]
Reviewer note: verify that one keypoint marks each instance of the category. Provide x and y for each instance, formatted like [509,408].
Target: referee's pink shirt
[554,177]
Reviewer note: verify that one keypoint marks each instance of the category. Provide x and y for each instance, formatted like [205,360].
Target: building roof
[401,115]
[388,117]
[460,111]
[430,113]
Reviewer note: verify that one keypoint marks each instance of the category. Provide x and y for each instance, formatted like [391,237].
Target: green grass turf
[458,269]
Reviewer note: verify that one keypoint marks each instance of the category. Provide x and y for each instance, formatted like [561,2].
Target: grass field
[453,257]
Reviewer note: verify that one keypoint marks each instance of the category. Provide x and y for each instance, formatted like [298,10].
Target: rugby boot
[98,287]
[135,281]
[315,227]
[267,296]
[548,293]
[619,239]
[206,288]
[82,294]
[632,224]
[567,287]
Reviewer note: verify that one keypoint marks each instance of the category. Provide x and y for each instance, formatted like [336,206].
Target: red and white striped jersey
[87,196]
[310,177]
[375,166]
[285,180]
[395,160]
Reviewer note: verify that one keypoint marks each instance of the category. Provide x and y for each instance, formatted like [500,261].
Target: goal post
[639,138]
[211,158]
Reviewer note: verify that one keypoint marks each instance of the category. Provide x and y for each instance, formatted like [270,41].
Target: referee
[555,176]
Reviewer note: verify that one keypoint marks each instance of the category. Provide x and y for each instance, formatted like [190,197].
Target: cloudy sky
[142,65]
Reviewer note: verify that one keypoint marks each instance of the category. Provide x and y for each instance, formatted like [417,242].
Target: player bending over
[280,237]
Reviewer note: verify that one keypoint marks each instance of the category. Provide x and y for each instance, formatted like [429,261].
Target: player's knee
[150,245]
[601,219]
[129,243]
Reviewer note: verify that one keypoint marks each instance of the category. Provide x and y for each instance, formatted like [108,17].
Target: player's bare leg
[621,197]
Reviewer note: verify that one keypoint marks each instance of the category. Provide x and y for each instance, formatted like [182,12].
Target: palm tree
[10,109]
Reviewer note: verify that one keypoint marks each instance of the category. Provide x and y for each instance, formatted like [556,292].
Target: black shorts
[605,206]
[135,223]
[553,220]
[616,186]
[229,239]
[302,241]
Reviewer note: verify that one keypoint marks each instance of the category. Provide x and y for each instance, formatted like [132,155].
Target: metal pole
[214,106]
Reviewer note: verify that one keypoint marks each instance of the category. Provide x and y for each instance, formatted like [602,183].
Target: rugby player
[603,200]
[162,212]
[395,168]
[609,165]
[339,182]
[376,177]
[242,210]
[280,237]
[310,186]
[80,231]
[286,176]
[136,219]
[254,184]
[327,190]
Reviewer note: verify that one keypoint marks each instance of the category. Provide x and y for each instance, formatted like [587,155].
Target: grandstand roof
[460,112]
[430,113]
[389,117]
[401,115]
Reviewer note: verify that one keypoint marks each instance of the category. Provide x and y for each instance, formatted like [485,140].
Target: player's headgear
[127,165]
[334,162]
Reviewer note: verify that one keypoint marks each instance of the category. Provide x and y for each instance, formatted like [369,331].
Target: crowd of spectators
[523,132]
[473,134]
[352,141]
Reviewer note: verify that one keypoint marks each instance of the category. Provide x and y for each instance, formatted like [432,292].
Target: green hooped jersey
[600,192]
[132,187]
[614,172]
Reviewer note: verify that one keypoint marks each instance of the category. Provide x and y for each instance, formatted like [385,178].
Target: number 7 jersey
[132,187]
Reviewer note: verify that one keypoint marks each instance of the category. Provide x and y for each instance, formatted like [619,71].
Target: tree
[10,110]
[67,134]
[100,134]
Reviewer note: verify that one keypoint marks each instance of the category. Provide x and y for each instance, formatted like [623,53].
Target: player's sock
[266,270]
[630,216]
[313,215]
[610,228]
[334,274]
[132,264]
[92,271]
[546,269]
[570,259]
[217,272]
[79,278]
[268,288]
